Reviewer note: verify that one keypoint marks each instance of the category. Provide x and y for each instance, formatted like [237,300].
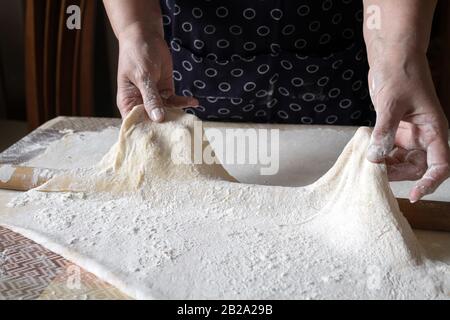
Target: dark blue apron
[271,61]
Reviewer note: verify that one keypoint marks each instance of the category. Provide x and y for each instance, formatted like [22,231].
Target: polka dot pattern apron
[276,61]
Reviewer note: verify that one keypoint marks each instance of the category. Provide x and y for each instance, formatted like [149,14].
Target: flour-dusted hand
[145,68]
[409,119]
[409,115]
[145,77]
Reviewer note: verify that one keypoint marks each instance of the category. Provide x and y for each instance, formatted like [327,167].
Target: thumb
[383,136]
[152,100]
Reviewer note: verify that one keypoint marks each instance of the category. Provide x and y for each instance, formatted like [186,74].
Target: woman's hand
[145,75]
[409,117]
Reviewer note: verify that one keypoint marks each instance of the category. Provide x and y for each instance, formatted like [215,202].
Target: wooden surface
[427,215]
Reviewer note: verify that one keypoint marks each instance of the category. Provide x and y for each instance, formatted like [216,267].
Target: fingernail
[422,191]
[414,198]
[157,114]
[193,102]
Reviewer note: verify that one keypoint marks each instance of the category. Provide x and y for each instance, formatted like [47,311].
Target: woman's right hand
[145,75]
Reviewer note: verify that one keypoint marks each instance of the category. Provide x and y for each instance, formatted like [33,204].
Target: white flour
[6,172]
[181,234]
[75,151]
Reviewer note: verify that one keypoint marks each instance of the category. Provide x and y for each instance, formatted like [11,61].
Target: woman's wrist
[141,32]
[400,53]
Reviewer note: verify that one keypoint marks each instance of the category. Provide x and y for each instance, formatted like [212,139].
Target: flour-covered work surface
[159,229]
[28,271]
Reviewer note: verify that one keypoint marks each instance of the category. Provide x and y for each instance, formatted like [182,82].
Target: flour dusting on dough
[159,230]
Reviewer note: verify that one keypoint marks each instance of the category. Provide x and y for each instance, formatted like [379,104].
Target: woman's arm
[404,24]
[142,16]
[145,65]
[409,115]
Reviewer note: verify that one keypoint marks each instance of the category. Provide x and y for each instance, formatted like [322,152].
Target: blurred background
[47,70]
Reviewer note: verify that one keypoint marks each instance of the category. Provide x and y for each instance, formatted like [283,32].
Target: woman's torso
[271,61]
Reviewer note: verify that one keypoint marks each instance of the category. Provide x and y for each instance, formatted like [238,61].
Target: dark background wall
[12,87]
[106,57]
[12,62]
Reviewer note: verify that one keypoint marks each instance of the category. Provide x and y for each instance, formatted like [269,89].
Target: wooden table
[29,271]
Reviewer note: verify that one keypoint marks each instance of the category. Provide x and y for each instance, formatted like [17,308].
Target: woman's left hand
[409,118]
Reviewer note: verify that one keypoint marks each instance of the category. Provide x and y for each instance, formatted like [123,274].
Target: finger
[153,103]
[175,101]
[410,165]
[401,155]
[437,172]
[128,96]
[390,161]
[403,172]
[383,136]
[172,100]
[408,136]
[396,156]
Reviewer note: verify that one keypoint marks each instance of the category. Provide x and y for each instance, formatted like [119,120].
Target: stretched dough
[143,153]
[201,234]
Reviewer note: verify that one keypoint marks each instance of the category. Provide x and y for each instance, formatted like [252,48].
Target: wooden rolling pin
[426,215]
[22,178]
